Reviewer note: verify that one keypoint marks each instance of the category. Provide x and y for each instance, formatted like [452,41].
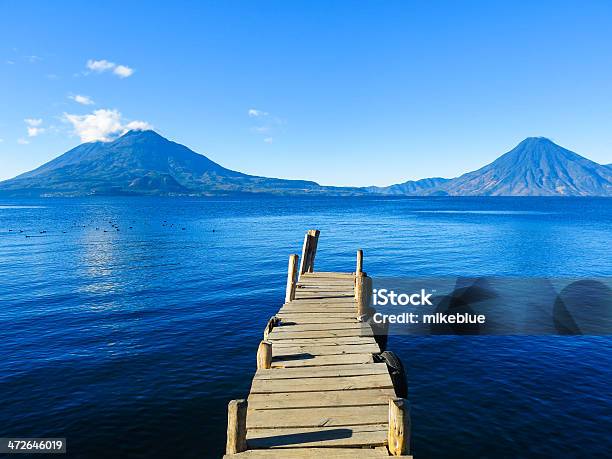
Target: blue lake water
[130,343]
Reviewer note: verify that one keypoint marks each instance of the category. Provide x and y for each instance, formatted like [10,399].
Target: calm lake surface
[130,343]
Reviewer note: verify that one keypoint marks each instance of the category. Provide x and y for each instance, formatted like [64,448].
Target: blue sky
[343,93]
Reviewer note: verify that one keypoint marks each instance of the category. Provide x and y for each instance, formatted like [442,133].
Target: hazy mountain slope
[535,167]
[142,162]
[411,187]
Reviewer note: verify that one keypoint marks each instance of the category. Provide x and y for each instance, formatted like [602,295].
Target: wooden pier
[320,390]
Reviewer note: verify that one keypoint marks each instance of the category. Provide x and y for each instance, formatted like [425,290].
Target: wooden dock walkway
[320,390]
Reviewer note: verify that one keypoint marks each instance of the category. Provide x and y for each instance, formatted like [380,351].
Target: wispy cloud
[99,66]
[22,141]
[267,124]
[102,65]
[254,113]
[33,126]
[83,100]
[103,125]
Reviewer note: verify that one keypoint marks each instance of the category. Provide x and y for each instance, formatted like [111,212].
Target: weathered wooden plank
[307,296]
[323,372]
[332,283]
[352,436]
[303,295]
[317,319]
[267,386]
[348,313]
[309,453]
[317,417]
[342,302]
[329,274]
[317,309]
[356,397]
[314,334]
[345,289]
[335,341]
[331,325]
[317,360]
[280,352]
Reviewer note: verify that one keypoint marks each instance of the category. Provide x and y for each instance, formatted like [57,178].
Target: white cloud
[138,126]
[34,131]
[267,125]
[83,100]
[33,121]
[123,71]
[33,126]
[103,125]
[254,113]
[102,65]
[23,141]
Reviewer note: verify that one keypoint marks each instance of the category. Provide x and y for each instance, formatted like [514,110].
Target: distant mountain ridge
[411,187]
[145,163]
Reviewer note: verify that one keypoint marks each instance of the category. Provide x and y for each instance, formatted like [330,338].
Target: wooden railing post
[359,262]
[309,250]
[398,436]
[363,291]
[314,234]
[264,355]
[236,427]
[273,322]
[291,278]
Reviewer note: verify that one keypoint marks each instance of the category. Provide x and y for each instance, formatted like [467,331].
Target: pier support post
[398,436]
[359,292]
[363,292]
[236,427]
[291,278]
[309,250]
[264,355]
[273,322]
[359,262]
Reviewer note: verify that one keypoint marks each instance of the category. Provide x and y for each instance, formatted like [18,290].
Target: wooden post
[264,355]
[273,322]
[236,427]
[305,250]
[291,278]
[359,293]
[359,262]
[314,234]
[398,436]
[309,250]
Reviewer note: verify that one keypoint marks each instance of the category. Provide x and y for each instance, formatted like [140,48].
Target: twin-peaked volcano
[143,162]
